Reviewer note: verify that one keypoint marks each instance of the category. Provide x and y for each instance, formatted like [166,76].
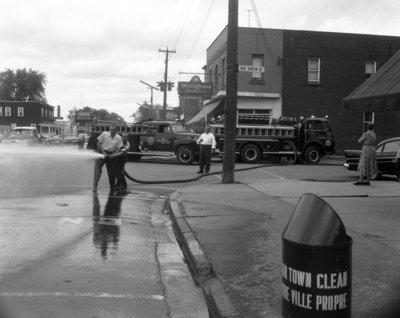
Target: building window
[257,61]
[368,118]
[313,70]
[20,112]
[223,66]
[370,68]
[1,111]
[216,79]
[42,112]
[254,116]
[7,111]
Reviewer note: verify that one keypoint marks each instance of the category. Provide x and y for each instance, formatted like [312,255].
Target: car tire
[250,154]
[312,155]
[185,155]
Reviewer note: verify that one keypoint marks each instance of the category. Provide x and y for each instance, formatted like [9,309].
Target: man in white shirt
[81,140]
[207,146]
[108,143]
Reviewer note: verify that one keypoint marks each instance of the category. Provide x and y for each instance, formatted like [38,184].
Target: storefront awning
[205,111]
[379,93]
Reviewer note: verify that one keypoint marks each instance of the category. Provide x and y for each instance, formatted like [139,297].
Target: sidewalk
[231,237]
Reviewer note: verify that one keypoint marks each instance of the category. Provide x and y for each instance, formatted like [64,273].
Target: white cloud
[96,52]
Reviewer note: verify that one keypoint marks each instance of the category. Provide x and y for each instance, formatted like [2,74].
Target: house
[34,114]
[302,73]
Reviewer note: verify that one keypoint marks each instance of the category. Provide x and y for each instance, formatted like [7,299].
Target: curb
[219,304]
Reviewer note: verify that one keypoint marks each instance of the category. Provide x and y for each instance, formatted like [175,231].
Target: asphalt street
[68,252]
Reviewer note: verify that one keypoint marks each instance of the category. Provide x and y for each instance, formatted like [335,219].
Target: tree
[23,85]
[103,114]
[7,85]
[99,114]
[147,112]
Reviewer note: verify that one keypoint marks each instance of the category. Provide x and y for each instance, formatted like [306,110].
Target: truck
[154,139]
[25,135]
[304,141]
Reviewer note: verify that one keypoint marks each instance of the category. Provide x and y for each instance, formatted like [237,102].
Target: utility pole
[163,85]
[151,88]
[231,95]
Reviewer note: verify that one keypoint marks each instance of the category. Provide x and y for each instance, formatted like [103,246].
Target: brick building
[304,73]
[37,114]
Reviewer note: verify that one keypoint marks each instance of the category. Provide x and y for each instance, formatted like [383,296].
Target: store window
[314,70]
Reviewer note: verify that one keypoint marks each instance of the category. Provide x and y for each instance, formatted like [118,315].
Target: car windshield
[178,128]
[318,125]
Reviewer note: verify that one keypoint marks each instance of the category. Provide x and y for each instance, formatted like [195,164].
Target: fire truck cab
[154,139]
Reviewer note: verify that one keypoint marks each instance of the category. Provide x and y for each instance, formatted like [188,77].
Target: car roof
[389,140]
[25,127]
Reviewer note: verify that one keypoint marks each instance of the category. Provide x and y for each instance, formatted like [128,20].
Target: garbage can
[316,262]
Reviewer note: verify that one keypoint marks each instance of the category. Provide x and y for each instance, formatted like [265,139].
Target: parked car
[386,153]
[25,135]
[53,140]
[70,140]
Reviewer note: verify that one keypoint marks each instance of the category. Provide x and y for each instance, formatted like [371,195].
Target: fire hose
[208,174]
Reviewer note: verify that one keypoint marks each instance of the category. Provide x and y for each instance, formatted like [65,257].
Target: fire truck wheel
[312,155]
[185,155]
[250,153]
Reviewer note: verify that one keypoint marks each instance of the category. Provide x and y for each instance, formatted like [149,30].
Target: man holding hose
[108,143]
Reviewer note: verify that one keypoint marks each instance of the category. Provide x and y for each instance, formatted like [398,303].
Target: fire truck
[305,141]
[154,139]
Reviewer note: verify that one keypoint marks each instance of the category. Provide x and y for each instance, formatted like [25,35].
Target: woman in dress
[367,166]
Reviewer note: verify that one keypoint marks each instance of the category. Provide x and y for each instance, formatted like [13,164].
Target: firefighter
[207,147]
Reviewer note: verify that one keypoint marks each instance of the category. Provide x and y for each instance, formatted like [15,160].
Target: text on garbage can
[314,282]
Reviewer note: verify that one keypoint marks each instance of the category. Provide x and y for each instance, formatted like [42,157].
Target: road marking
[89,295]
[272,174]
[65,220]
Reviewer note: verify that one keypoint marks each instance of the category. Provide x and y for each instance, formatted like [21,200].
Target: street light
[151,88]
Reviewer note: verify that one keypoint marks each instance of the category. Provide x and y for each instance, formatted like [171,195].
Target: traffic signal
[170,85]
[161,85]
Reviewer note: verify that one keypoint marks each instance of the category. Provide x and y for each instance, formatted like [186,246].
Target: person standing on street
[81,140]
[367,166]
[108,143]
[207,146]
[122,158]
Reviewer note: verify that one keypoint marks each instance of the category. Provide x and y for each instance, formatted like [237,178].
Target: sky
[95,52]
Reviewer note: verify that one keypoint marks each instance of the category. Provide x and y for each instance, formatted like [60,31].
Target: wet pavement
[68,252]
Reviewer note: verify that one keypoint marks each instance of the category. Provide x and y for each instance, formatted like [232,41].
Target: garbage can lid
[315,223]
